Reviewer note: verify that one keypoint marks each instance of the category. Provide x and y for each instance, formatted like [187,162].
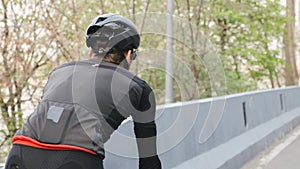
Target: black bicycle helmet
[116,30]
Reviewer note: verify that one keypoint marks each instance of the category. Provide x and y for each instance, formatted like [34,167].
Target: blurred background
[255,43]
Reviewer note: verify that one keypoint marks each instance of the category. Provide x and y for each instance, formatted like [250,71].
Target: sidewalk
[284,154]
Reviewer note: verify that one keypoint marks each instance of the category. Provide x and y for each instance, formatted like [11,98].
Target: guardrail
[221,132]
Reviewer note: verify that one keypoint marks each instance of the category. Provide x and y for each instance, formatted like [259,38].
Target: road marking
[264,161]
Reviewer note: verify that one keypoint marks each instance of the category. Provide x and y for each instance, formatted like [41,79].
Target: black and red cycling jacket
[84,102]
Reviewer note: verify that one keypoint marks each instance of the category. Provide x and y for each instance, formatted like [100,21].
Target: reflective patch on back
[54,113]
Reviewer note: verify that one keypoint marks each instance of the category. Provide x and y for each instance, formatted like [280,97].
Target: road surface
[283,154]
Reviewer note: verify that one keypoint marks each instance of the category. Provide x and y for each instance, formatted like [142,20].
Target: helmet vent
[100,19]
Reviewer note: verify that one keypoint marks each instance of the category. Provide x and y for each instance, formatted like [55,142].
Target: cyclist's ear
[90,53]
[127,56]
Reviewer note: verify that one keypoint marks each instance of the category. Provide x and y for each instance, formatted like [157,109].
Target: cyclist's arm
[145,130]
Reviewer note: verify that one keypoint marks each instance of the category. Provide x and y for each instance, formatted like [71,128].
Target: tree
[247,36]
[291,72]
[25,61]
[46,34]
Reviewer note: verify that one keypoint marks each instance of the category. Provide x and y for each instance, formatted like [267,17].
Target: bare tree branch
[133,10]
[102,7]
[144,16]
[6,36]
[4,140]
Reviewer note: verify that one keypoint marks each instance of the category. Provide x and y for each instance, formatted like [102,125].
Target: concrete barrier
[222,132]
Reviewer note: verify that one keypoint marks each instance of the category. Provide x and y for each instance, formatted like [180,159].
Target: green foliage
[249,38]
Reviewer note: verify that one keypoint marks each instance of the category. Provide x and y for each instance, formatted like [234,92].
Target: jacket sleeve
[145,130]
